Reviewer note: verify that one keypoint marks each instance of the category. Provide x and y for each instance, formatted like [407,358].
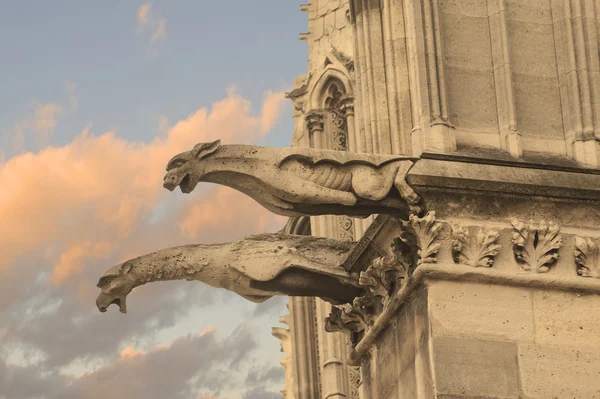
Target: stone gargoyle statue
[255,267]
[301,181]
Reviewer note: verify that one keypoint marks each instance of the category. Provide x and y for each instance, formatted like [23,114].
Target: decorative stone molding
[455,272]
[380,280]
[346,105]
[346,318]
[536,245]
[587,257]
[315,121]
[384,276]
[346,61]
[355,382]
[425,231]
[476,250]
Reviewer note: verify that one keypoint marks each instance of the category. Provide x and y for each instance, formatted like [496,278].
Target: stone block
[480,310]
[340,18]
[315,28]
[472,99]
[558,10]
[468,8]
[567,318]
[466,42]
[329,23]
[538,106]
[532,50]
[475,368]
[559,372]
[536,11]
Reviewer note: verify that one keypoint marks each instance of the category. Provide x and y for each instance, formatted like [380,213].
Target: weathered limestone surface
[459,339]
[255,267]
[500,100]
[517,75]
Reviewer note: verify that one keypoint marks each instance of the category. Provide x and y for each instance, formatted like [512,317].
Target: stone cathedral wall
[500,100]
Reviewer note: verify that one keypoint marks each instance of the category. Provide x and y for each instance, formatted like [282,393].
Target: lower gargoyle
[256,267]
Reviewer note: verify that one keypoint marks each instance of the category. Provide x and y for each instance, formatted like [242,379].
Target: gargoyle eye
[176,164]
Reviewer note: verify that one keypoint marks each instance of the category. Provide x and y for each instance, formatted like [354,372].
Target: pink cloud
[98,189]
[143,14]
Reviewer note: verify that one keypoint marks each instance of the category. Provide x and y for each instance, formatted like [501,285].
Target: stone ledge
[521,179]
[449,271]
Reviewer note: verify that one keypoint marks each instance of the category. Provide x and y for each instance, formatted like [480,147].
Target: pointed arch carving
[330,100]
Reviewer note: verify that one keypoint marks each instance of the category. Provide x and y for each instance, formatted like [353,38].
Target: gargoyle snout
[170,181]
[101,306]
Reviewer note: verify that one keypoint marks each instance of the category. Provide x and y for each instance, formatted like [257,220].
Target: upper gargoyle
[301,181]
[255,267]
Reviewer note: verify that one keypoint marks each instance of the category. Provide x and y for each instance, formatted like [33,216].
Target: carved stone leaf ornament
[587,257]
[476,250]
[536,245]
[346,318]
[425,231]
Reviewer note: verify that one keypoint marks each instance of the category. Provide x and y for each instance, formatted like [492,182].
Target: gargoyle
[256,267]
[301,181]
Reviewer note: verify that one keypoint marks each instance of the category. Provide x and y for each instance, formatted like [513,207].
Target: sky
[95,98]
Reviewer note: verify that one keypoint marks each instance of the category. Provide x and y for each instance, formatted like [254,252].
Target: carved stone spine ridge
[476,250]
[425,231]
[536,245]
[587,257]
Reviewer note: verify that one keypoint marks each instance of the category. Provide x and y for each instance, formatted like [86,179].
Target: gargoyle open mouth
[119,301]
[185,184]
[171,181]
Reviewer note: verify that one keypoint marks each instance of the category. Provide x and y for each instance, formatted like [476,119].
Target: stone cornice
[449,271]
[510,179]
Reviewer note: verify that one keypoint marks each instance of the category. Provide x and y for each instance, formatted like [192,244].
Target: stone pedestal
[465,338]
[503,297]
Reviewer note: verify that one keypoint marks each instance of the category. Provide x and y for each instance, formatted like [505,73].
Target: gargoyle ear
[203,149]
[125,268]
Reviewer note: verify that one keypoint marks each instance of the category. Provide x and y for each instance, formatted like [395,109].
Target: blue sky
[121,84]
[94,98]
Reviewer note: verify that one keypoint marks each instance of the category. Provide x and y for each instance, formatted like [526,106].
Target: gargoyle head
[186,169]
[116,283]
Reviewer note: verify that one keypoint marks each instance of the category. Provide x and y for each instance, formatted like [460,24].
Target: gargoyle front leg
[406,191]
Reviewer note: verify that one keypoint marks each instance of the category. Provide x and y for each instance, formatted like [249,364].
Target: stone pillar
[315,123]
[347,108]
[510,138]
[304,350]
[576,32]
[397,43]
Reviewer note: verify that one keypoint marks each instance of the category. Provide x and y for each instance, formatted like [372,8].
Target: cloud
[261,375]
[178,370]
[71,91]
[42,121]
[261,393]
[210,215]
[63,197]
[143,14]
[149,22]
[71,212]
[159,32]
